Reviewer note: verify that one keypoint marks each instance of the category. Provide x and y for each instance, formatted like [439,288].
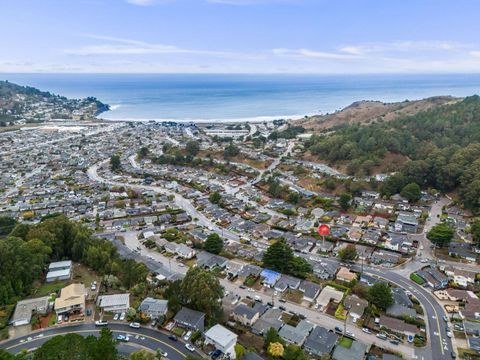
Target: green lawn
[416,278]
[178,331]
[345,342]
[48,288]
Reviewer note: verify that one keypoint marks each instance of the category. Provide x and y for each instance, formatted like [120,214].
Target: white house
[223,339]
[114,303]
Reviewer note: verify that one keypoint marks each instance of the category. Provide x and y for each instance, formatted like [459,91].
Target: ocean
[222,97]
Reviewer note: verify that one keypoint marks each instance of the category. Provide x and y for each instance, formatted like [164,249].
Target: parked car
[382,336]
[215,354]
[162,353]
[135,325]
[89,312]
[445,318]
[190,347]
[283,308]
[59,319]
[349,333]
[123,338]
[122,316]
[188,335]
[172,337]
[338,329]
[101,323]
[394,342]
[116,316]
[366,330]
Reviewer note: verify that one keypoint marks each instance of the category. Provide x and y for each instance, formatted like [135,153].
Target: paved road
[144,337]
[440,345]
[315,316]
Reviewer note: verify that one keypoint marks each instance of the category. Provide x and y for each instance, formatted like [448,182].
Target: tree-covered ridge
[441,148]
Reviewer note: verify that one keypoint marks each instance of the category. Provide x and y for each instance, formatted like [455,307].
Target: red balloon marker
[323,230]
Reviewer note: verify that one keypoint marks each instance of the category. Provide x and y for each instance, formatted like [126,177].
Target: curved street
[139,338]
[439,345]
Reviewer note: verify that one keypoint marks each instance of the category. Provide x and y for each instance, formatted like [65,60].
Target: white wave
[254,119]
[114,107]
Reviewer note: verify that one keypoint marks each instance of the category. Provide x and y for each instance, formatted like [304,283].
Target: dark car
[242,287]
[216,354]
[172,337]
[337,328]
[282,300]
[283,308]
[394,342]
[453,355]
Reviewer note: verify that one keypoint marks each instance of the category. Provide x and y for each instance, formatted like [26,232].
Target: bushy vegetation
[441,148]
[27,250]
[279,257]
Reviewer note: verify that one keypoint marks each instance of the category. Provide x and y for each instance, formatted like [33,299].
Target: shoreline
[257,119]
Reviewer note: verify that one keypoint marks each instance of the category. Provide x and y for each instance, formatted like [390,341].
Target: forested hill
[440,149]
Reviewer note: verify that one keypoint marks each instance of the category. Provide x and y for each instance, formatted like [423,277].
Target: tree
[199,290]
[299,267]
[192,147]
[213,244]
[275,349]
[130,272]
[293,197]
[411,192]
[348,253]
[143,152]
[231,151]
[239,351]
[6,225]
[380,295]
[344,201]
[115,163]
[215,197]
[475,231]
[142,355]
[440,234]
[294,352]
[278,256]
[271,337]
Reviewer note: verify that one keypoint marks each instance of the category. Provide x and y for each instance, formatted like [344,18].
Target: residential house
[248,315]
[398,326]
[60,270]
[25,309]
[296,334]
[355,306]
[461,277]
[328,294]
[320,342]
[355,352]
[71,300]
[114,303]
[272,318]
[310,290]
[222,339]
[154,308]
[190,319]
[462,250]
[344,274]
[270,277]
[287,282]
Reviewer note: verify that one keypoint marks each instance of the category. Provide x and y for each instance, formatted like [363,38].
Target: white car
[135,325]
[190,347]
[122,316]
[366,330]
[187,336]
[101,323]
[116,316]
[349,333]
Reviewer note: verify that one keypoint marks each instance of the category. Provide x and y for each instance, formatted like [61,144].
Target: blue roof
[270,277]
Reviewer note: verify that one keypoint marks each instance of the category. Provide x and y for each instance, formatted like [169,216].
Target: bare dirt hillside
[366,112]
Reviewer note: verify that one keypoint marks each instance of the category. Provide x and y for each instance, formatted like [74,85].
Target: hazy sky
[240,36]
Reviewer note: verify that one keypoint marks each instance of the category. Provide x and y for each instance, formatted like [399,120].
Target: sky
[240,36]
